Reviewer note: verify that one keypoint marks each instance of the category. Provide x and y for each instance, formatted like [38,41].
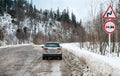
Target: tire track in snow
[51,68]
[25,66]
[56,69]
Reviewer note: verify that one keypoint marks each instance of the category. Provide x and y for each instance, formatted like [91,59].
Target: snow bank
[6,46]
[100,65]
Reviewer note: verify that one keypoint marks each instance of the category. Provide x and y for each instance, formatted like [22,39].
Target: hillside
[23,23]
[14,34]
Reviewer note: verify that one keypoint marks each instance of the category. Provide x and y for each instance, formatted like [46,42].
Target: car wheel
[44,58]
[61,58]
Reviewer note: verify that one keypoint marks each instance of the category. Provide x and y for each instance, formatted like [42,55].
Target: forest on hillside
[21,9]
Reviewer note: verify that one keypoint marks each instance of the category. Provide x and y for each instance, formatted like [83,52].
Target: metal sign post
[109,28]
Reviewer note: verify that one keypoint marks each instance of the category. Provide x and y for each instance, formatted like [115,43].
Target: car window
[52,45]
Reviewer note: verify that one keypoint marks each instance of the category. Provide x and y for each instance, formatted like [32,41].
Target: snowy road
[27,61]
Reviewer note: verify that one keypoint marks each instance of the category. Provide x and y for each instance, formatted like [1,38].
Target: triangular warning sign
[109,13]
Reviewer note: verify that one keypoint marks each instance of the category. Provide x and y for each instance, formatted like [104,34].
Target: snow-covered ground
[100,65]
[8,46]
[27,59]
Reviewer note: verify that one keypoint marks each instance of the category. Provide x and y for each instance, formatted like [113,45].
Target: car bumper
[52,55]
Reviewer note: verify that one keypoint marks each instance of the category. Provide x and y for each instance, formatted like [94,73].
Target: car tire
[44,58]
[60,58]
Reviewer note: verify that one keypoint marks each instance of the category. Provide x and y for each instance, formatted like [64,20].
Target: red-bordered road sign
[109,27]
[109,13]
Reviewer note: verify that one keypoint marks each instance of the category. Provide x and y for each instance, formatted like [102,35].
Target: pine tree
[67,16]
[73,20]
[1,7]
[34,12]
[20,3]
[63,15]
[30,11]
[58,15]
[51,14]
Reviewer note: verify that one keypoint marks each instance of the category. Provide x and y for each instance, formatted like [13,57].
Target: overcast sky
[81,8]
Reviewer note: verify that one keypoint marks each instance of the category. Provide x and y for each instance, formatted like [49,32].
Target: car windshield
[52,45]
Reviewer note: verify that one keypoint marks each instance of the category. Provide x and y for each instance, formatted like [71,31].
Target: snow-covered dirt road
[27,61]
